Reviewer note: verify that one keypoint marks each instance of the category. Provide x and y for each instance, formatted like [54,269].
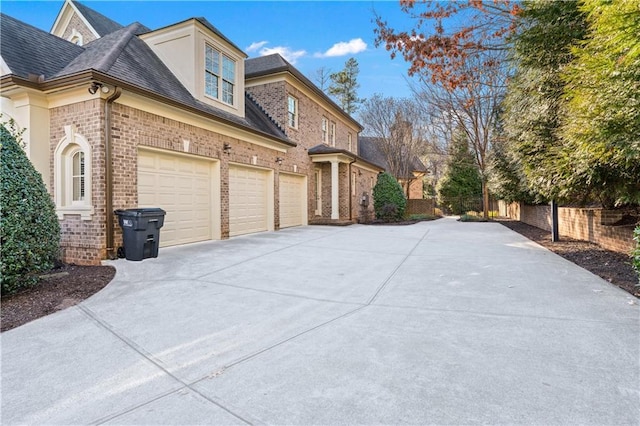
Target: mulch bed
[609,265]
[59,289]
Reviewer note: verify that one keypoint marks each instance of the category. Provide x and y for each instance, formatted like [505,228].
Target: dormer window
[220,75]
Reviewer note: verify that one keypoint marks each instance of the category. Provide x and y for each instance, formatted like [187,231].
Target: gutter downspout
[108,175]
[350,192]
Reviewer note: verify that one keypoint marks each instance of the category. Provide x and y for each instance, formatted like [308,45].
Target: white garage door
[293,200]
[182,187]
[248,200]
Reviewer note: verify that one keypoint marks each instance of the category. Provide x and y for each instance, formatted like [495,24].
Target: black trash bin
[140,232]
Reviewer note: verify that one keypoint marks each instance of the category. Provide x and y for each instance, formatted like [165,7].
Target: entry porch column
[335,193]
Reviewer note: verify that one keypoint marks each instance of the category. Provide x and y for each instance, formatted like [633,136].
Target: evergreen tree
[461,178]
[344,86]
[602,123]
[29,229]
[534,104]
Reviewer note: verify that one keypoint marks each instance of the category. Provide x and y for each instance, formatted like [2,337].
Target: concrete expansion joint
[280,293]
[262,255]
[319,326]
[157,363]
[395,271]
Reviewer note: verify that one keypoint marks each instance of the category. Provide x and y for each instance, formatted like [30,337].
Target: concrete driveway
[435,323]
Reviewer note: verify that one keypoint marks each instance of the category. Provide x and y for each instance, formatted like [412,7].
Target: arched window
[72,170]
[75,37]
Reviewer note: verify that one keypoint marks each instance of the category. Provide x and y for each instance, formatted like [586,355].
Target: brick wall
[82,241]
[76,23]
[272,97]
[424,206]
[592,225]
[415,189]
[133,128]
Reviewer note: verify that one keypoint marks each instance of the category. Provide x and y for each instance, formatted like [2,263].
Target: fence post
[555,235]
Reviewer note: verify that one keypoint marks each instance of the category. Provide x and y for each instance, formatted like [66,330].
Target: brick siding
[76,23]
[593,225]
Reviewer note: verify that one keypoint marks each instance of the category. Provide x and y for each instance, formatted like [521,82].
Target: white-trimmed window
[219,75]
[325,130]
[332,133]
[72,174]
[292,111]
[349,142]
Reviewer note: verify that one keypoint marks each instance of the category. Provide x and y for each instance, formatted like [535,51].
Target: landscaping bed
[59,289]
[609,265]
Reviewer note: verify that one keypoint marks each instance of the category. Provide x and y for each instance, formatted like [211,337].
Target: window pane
[227,92]
[212,60]
[211,85]
[78,176]
[228,70]
[292,111]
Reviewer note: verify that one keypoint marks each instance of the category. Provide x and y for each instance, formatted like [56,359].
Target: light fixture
[94,87]
[279,160]
[226,147]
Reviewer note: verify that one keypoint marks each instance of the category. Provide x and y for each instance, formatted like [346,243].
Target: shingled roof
[98,21]
[325,149]
[28,50]
[371,149]
[120,55]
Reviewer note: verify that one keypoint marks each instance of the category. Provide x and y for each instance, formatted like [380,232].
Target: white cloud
[290,55]
[343,48]
[255,46]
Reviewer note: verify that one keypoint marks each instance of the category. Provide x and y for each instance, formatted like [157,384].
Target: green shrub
[635,254]
[422,216]
[389,201]
[29,229]
[472,217]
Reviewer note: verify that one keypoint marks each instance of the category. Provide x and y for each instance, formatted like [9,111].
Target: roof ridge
[255,102]
[114,52]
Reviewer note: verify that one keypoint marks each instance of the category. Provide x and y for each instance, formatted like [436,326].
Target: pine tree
[344,86]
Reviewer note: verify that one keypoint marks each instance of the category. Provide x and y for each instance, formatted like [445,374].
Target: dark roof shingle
[120,55]
[29,50]
[371,150]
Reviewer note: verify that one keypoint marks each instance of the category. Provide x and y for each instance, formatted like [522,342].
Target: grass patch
[472,217]
[421,217]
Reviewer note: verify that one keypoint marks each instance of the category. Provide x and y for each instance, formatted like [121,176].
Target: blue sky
[312,34]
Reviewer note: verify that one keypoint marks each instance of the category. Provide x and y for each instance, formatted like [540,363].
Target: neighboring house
[371,148]
[122,116]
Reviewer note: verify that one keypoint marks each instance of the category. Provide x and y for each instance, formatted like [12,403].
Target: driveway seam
[278,293]
[506,315]
[267,254]
[282,342]
[145,354]
[393,273]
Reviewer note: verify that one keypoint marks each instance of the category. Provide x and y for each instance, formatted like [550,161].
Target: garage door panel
[182,187]
[292,200]
[248,200]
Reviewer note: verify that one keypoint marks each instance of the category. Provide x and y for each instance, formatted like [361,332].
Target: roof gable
[100,23]
[275,64]
[94,22]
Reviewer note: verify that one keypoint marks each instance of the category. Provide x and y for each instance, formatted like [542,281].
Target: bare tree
[398,127]
[322,78]
[473,106]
